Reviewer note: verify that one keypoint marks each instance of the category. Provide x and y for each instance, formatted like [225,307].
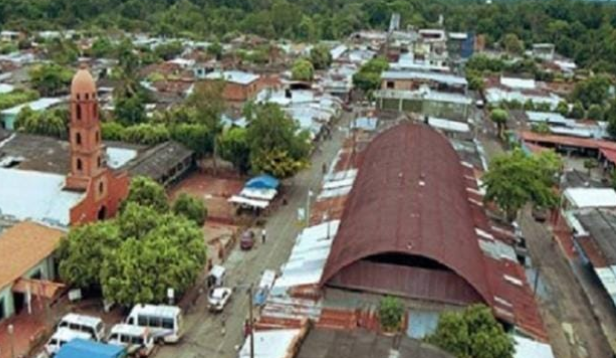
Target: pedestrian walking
[324,168]
[223,329]
[263,236]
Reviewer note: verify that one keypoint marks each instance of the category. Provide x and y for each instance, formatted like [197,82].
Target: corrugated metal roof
[410,198]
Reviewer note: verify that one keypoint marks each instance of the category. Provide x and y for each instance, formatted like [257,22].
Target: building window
[390,84]
[98,136]
[78,110]
[87,96]
[2,311]
[95,111]
[99,162]
[78,138]
[101,187]
[79,165]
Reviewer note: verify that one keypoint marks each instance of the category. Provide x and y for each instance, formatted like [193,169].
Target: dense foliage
[582,30]
[137,256]
[472,333]
[190,207]
[391,313]
[53,123]
[515,179]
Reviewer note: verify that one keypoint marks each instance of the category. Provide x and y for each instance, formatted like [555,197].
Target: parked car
[218,298]
[61,337]
[247,241]
[137,340]
[94,326]
[540,214]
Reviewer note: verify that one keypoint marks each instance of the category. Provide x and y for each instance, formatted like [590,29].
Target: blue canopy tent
[264,181]
[81,348]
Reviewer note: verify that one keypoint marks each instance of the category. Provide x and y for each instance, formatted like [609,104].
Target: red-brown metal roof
[410,197]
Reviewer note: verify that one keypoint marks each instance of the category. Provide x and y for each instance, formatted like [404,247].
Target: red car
[247,241]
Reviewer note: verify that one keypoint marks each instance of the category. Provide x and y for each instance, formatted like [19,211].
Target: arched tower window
[78,138]
[101,187]
[78,109]
[79,165]
[99,161]
[98,137]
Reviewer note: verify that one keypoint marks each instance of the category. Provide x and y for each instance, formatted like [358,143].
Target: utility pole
[252,325]
[308,197]
[11,330]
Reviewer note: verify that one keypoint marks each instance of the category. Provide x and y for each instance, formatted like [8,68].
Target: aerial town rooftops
[582,198]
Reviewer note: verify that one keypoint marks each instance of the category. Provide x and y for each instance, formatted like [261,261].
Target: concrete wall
[47,272]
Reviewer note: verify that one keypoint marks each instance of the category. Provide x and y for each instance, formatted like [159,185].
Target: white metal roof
[550,117]
[430,76]
[6,88]
[36,196]
[117,157]
[156,310]
[520,83]
[38,105]
[243,78]
[449,125]
[527,348]
[270,344]
[591,197]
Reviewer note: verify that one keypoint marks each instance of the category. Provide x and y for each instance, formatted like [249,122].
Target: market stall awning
[240,200]
[264,181]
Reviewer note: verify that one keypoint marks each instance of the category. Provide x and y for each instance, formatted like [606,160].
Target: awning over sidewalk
[41,288]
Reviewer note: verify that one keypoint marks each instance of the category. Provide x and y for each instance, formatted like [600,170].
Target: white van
[137,340]
[81,323]
[61,337]
[164,322]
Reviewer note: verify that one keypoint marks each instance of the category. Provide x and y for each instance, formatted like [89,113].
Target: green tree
[195,136]
[209,104]
[146,192]
[50,79]
[234,147]
[610,117]
[472,333]
[141,270]
[475,80]
[368,78]
[320,57]
[500,117]
[578,111]
[51,123]
[515,179]
[563,108]
[169,50]
[83,251]
[595,112]
[513,44]
[191,208]
[275,141]
[215,50]
[136,220]
[145,133]
[594,90]
[541,128]
[102,48]
[302,71]
[391,313]
[112,131]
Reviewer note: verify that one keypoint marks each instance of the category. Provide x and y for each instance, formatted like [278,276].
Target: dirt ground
[214,191]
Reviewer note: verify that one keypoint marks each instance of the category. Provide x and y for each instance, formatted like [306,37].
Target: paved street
[204,336]
[567,313]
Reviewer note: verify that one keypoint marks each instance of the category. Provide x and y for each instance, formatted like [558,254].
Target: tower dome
[83,86]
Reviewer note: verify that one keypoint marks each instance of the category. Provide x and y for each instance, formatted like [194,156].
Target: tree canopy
[50,79]
[368,78]
[146,192]
[582,30]
[302,70]
[515,179]
[472,333]
[320,57]
[137,256]
[277,146]
[191,208]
